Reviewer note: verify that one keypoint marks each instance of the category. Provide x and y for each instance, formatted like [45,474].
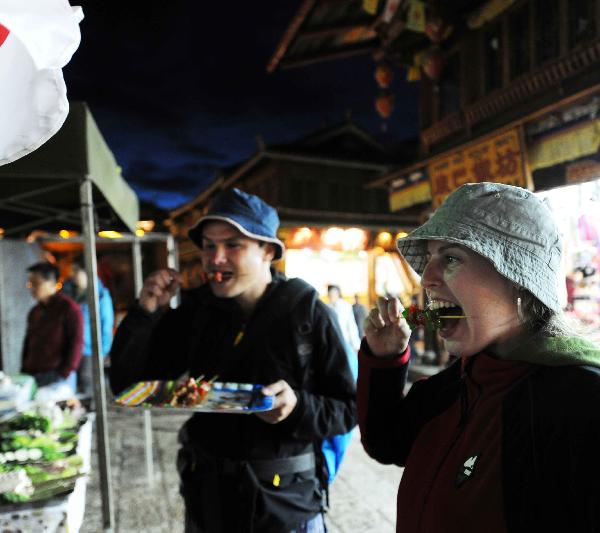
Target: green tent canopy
[73,181]
[42,189]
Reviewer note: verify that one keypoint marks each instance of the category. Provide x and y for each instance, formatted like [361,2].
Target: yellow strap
[238,338]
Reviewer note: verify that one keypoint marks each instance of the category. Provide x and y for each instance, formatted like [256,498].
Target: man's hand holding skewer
[159,287]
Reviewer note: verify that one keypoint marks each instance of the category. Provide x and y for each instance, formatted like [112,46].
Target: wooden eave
[332,133]
[317,218]
[277,155]
[328,161]
[311,28]
[289,35]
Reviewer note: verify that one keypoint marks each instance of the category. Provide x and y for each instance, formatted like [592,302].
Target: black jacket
[198,337]
[548,452]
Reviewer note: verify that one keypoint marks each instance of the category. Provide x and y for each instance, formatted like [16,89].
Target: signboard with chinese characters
[408,190]
[499,159]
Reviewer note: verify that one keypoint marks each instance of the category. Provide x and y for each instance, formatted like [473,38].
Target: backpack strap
[302,317]
[302,314]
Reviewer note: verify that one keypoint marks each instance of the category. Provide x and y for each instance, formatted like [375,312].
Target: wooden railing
[518,92]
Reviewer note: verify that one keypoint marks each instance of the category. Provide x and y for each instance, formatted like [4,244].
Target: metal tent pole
[138,281]
[173,262]
[87,219]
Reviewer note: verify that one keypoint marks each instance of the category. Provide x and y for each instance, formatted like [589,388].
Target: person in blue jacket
[76,287]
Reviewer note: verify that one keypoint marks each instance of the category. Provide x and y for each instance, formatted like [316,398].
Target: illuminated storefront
[577,211]
[360,262]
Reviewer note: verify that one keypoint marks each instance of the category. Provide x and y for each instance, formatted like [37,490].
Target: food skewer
[214,276]
[191,392]
[427,318]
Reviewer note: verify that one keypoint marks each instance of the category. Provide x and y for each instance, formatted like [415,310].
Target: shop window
[471,59]
[519,42]
[320,189]
[582,26]
[450,85]
[334,196]
[358,198]
[297,191]
[492,48]
[547,41]
[345,197]
[265,191]
[382,201]
[426,99]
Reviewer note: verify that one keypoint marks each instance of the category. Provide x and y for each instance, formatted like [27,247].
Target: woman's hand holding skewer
[386,330]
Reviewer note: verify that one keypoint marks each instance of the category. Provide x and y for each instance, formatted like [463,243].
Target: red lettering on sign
[482,170]
[506,163]
[460,176]
[3,34]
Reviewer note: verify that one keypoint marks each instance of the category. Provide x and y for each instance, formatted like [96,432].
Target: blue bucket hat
[249,214]
[508,225]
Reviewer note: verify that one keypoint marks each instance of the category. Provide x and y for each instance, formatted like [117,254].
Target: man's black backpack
[302,301]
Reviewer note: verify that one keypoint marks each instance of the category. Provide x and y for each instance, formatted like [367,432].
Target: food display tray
[241,398]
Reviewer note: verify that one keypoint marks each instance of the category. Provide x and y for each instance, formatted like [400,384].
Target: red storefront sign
[498,158]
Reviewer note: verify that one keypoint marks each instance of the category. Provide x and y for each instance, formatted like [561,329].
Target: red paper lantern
[384,104]
[437,29]
[384,75]
[433,64]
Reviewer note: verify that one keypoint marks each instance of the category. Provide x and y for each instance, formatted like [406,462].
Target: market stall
[576,210]
[44,459]
[361,262]
[72,179]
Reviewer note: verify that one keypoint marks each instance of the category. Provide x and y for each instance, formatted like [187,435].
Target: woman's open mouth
[446,316]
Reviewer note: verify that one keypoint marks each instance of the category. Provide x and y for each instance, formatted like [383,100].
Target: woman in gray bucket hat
[507,438]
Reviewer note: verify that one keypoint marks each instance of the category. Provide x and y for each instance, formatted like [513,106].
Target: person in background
[360,314]
[76,288]
[345,316]
[54,337]
[506,438]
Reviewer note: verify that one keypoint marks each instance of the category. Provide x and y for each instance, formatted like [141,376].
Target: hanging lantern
[434,29]
[384,75]
[438,29]
[433,64]
[384,104]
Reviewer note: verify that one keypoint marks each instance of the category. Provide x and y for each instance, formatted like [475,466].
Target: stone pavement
[362,498]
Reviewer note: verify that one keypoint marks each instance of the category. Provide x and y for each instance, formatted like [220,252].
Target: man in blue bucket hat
[247,324]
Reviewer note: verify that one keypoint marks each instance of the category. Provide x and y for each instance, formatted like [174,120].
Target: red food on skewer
[215,276]
[418,317]
[428,318]
[190,393]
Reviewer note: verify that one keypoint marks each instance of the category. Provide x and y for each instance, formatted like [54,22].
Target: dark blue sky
[179,88]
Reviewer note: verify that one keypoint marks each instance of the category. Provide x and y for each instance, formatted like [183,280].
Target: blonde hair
[538,318]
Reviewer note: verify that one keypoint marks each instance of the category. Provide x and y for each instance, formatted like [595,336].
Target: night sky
[179,88]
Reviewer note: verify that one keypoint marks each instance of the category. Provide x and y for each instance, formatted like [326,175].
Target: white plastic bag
[37,39]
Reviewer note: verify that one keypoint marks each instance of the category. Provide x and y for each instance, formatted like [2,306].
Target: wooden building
[509,89]
[334,229]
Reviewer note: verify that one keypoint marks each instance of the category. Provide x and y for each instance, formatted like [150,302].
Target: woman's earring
[520,310]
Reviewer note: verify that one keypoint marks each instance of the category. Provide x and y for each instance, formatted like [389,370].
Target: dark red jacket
[54,337]
[496,446]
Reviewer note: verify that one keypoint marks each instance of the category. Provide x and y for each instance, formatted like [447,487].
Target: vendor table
[61,514]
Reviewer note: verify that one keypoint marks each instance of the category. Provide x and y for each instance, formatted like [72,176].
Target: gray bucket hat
[508,225]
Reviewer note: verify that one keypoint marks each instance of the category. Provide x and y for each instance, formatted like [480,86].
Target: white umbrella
[37,39]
